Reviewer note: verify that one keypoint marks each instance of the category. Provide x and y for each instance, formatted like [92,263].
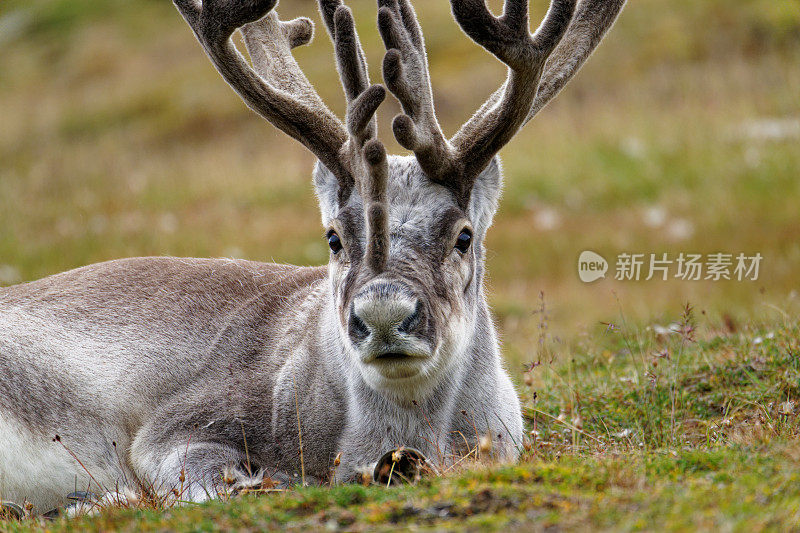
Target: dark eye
[334,242]
[464,240]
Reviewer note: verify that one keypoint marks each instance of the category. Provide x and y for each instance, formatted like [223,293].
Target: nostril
[358,329]
[412,320]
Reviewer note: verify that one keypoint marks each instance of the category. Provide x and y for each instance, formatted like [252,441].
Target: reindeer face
[406,324]
[406,234]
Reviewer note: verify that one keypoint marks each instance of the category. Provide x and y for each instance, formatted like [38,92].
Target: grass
[688,489]
[621,437]
[680,135]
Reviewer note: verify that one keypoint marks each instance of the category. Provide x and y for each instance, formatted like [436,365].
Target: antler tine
[457,163]
[405,71]
[363,99]
[377,251]
[549,57]
[366,153]
[283,95]
[590,24]
[508,38]
[350,60]
[565,39]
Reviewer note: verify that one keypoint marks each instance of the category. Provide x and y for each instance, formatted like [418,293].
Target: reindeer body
[62,376]
[194,376]
[180,361]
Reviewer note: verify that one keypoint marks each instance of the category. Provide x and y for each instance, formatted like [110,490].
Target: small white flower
[654,216]
[624,434]
[771,129]
[130,496]
[547,219]
[9,275]
[168,223]
[633,147]
[680,229]
[233,252]
[661,330]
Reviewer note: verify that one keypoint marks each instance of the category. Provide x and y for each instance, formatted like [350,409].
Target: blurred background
[681,134]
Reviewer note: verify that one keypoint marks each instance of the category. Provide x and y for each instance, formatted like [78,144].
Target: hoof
[11,511]
[401,465]
[82,497]
[52,514]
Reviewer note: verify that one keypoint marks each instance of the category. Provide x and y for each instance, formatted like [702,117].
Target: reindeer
[201,373]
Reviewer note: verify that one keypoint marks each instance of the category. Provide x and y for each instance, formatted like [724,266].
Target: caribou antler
[405,71]
[592,20]
[276,88]
[281,94]
[365,152]
[539,65]
[457,163]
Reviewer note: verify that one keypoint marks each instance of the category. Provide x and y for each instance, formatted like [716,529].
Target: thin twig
[299,431]
[246,452]
[99,485]
[564,422]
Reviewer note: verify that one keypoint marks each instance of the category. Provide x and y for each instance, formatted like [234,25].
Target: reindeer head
[406,233]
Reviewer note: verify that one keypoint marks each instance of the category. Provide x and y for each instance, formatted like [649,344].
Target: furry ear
[486,196]
[326,186]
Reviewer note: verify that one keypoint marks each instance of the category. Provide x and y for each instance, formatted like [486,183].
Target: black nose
[385,310]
